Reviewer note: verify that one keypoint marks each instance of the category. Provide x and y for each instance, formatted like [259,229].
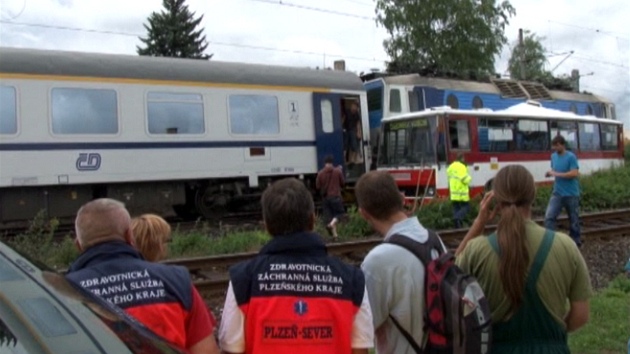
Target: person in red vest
[160,296]
[293,297]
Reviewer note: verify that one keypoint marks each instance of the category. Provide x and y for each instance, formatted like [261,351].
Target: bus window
[532,135]
[495,135]
[458,131]
[589,136]
[568,130]
[408,142]
[609,137]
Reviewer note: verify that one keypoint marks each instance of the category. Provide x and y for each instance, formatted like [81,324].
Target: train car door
[328,131]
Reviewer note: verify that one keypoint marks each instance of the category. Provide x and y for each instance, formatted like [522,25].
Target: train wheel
[212,203]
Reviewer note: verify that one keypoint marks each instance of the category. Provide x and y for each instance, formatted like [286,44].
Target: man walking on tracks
[566,188]
[458,182]
[160,296]
[330,182]
[293,297]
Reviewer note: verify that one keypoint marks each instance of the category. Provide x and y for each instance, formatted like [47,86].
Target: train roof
[485,87]
[65,63]
[521,110]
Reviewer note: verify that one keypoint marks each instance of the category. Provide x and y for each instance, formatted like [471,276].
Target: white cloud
[567,25]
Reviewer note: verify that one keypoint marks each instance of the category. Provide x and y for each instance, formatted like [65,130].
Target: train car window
[254,114]
[589,136]
[613,113]
[573,108]
[609,136]
[459,133]
[477,102]
[589,110]
[394,101]
[8,110]
[375,99]
[175,113]
[414,105]
[568,130]
[532,135]
[452,101]
[495,135]
[327,116]
[84,111]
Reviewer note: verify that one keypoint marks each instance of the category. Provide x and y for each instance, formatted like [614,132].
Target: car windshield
[42,305]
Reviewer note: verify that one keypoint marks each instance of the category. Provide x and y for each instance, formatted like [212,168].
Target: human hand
[487,211]
[550,174]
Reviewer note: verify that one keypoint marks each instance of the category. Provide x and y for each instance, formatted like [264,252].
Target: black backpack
[456,311]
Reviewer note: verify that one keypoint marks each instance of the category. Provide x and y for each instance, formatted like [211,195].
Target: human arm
[580,292]
[486,213]
[363,327]
[578,315]
[570,174]
[231,330]
[378,289]
[200,328]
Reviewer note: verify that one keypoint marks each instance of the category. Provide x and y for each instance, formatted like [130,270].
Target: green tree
[533,55]
[535,61]
[456,36]
[172,33]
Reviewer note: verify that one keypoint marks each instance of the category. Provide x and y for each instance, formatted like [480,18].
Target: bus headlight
[431,192]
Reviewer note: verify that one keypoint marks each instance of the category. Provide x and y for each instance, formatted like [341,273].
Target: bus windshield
[408,142]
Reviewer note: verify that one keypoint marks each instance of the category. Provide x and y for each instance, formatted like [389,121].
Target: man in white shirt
[394,277]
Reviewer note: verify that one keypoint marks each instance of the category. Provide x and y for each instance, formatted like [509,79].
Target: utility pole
[522,53]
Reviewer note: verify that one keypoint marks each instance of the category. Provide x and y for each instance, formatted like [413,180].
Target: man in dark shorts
[330,182]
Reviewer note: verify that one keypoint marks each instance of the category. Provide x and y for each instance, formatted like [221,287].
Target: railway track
[210,273]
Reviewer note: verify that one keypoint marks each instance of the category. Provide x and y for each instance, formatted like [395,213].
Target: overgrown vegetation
[602,190]
[608,329]
[37,242]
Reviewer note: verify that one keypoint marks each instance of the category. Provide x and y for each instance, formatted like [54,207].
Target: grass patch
[197,243]
[608,330]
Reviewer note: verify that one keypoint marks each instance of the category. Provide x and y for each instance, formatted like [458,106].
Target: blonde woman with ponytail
[528,273]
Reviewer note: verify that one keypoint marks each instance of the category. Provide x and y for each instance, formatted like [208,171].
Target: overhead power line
[236,45]
[318,9]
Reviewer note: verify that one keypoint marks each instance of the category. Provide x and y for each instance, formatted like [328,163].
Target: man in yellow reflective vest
[458,181]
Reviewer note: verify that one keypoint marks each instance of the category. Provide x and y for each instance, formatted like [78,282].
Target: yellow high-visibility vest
[458,181]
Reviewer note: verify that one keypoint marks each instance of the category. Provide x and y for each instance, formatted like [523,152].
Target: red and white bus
[416,148]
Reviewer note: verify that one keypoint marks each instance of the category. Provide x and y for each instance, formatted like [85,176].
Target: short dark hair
[558,140]
[329,159]
[378,194]
[287,207]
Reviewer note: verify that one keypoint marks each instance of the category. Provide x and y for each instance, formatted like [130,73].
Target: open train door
[328,131]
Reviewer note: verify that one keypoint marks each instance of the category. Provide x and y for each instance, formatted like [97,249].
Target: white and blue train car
[163,135]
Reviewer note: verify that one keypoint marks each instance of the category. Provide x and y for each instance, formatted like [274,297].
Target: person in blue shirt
[566,188]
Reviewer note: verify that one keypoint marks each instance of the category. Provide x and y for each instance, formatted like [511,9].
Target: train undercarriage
[186,200]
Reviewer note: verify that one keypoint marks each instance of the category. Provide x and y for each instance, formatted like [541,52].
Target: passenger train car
[391,95]
[416,148]
[163,135]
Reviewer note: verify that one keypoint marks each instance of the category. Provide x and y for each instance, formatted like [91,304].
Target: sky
[315,33]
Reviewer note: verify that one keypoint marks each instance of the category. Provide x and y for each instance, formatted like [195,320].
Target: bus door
[328,130]
[458,140]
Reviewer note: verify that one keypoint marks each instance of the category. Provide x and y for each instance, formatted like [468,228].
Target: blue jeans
[572,206]
[460,210]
